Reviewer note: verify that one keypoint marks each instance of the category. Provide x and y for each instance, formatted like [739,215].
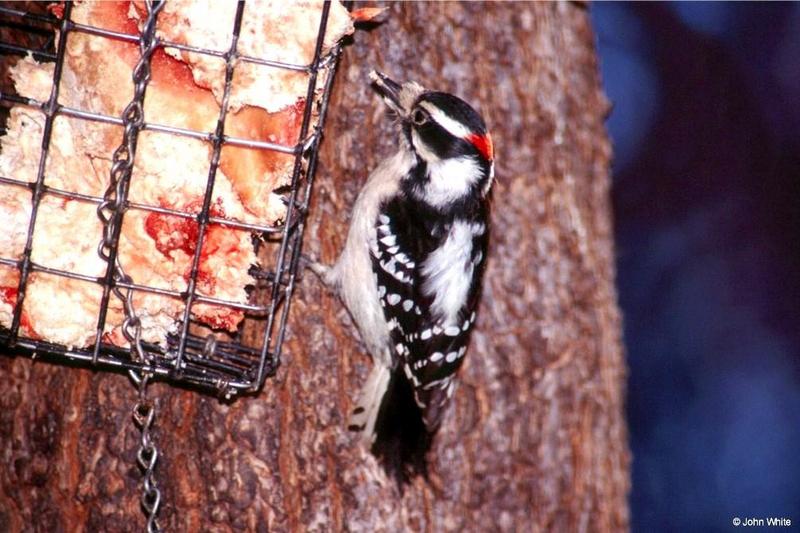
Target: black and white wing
[428,280]
[448,289]
[394,264]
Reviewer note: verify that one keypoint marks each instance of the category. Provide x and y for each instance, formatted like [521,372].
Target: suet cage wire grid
[225,367]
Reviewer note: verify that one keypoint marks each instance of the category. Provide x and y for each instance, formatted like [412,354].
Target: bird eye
[419,117]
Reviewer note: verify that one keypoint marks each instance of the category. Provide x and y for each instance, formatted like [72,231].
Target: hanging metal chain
[110,213]
[110,210]
[143,414]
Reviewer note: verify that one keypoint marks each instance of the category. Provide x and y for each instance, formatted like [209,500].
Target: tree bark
[535,439]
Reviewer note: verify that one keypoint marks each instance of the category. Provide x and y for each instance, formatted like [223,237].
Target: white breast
[448,273]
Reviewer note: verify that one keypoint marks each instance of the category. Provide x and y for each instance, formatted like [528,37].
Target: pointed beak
[388,89]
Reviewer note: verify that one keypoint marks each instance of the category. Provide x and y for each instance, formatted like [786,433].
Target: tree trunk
[535,439]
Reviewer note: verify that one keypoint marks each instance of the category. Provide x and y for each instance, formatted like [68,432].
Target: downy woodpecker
[411,268]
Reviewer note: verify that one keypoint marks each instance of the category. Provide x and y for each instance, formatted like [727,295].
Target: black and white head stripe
[450,138]
[456,117]
[452,113]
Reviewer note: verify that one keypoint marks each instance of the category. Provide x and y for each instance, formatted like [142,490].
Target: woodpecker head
[447,135]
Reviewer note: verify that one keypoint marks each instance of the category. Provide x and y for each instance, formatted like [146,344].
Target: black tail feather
[402,441]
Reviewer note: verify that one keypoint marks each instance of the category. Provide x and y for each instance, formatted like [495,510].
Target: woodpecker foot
[320,270]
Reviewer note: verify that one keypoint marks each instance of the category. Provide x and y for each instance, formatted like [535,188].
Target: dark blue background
[706,128]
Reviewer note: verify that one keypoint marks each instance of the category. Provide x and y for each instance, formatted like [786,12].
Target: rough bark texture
[536,438]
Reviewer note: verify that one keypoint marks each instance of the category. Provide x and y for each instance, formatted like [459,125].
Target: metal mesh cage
[193,355]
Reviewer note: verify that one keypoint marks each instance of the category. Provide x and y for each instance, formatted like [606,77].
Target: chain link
[110,213]
[144,412]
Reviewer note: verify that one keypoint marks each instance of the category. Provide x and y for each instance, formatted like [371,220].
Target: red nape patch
[483,143]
